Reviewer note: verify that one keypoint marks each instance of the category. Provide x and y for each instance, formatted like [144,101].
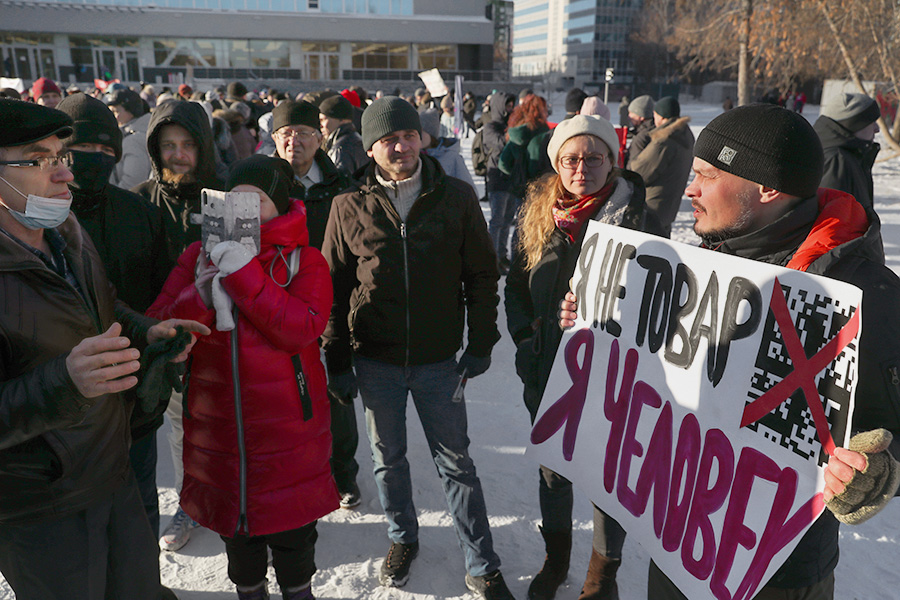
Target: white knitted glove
[229,257]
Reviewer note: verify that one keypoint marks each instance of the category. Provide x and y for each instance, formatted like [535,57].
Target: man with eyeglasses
[295,127]
[71,521]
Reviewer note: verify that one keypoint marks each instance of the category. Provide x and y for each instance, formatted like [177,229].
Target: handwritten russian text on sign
[696,401]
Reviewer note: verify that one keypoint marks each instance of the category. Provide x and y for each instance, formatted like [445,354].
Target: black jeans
[293,556]
[105,552]
[143,460]
[556,513]
[344,442]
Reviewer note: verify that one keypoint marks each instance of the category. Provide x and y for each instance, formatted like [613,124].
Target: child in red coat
[257,441]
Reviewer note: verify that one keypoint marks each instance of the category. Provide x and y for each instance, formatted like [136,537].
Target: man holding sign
[757,170]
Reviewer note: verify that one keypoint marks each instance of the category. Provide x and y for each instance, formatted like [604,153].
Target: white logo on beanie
[727,155]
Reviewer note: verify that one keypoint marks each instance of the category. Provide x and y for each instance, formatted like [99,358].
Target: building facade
[314,41]
[575,39]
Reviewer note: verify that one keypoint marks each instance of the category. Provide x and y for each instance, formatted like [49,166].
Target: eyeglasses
[289,134]
[592,161]
[46,163]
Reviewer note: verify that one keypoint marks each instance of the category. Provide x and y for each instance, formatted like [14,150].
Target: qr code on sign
[816,319]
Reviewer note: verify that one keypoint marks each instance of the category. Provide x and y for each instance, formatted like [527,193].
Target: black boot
[600,583]
[556,565]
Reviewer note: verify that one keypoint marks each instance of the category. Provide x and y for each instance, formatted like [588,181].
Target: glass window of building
[270,54]
[437,56]
[380,56]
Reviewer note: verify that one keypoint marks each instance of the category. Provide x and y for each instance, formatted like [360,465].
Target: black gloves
[473,366]
[160,375]
[342,387]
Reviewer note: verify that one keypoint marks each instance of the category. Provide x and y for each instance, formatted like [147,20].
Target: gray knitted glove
[871,489]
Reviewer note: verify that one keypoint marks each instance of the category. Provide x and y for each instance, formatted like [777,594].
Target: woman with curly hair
[584,186]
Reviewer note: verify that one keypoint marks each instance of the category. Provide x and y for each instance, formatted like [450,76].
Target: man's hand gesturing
[97,363]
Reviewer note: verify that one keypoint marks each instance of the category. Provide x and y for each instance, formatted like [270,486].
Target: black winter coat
[318,198]
[878,390]
[404,290]
[179,202]
[59,451]
[129,235]
[532,297]
[493,138]
[345,149]
[848,161]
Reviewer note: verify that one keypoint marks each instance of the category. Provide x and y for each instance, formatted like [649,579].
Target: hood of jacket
[522,134]
[446,146]
[677,130]
[287,231]
[192,117]
[813,236]
[834,135]
[498,107]
[137,126]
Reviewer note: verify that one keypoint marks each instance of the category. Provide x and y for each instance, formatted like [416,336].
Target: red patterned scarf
[571,214]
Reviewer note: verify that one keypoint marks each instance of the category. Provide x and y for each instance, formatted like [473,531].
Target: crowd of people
[116,316]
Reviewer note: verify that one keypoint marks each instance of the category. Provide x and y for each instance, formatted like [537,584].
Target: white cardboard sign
[691,401]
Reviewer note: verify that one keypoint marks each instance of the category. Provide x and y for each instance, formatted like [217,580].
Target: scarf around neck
[571,214]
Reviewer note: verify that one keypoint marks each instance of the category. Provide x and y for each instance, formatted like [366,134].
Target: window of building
[270,53]
[437,56]
[183,52]
[380,56]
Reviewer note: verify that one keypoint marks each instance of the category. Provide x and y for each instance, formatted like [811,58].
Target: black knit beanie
[94,123]
[336,107]
[765,144]
[574,100]
[127,99]
[270,174]
[386,115]
[667,108]
[236,90]
[295,113]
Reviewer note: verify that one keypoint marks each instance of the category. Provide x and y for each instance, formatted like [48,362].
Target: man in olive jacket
[71,520]
[411,261]
[665,162]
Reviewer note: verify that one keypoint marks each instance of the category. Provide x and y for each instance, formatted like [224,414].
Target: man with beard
[130,238]
[180,143]
[295,127]
[756,195]
[179,140]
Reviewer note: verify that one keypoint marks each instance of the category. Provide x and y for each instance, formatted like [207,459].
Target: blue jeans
[384,389]
[503,211]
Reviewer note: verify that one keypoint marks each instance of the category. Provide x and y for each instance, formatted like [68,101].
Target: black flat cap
[25,122]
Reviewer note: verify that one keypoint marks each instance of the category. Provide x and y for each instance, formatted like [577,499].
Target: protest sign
[696,400]
[229,216]
[434,83]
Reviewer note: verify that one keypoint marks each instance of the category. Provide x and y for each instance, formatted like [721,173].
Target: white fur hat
[583,125]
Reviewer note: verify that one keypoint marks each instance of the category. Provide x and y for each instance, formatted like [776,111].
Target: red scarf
[571,214]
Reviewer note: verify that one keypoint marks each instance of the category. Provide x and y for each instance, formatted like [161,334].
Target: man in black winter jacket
[411,262]
[129,235]
[496,182]
[342,143]
[755,195]
[180,142]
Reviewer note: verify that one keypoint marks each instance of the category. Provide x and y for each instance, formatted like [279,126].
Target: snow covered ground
[352,543]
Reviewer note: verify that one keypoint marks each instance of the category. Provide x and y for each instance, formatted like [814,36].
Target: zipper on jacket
[895,375]
[242,525]
[406,282]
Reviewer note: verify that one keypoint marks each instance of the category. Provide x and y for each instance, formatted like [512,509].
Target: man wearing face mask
[130,238]
[71,520]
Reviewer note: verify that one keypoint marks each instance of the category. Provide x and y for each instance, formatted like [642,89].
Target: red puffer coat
[252,463]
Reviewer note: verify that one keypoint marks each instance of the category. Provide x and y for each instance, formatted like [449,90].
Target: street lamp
[610,73]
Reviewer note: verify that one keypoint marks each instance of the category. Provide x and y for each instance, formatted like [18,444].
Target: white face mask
[40,212]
